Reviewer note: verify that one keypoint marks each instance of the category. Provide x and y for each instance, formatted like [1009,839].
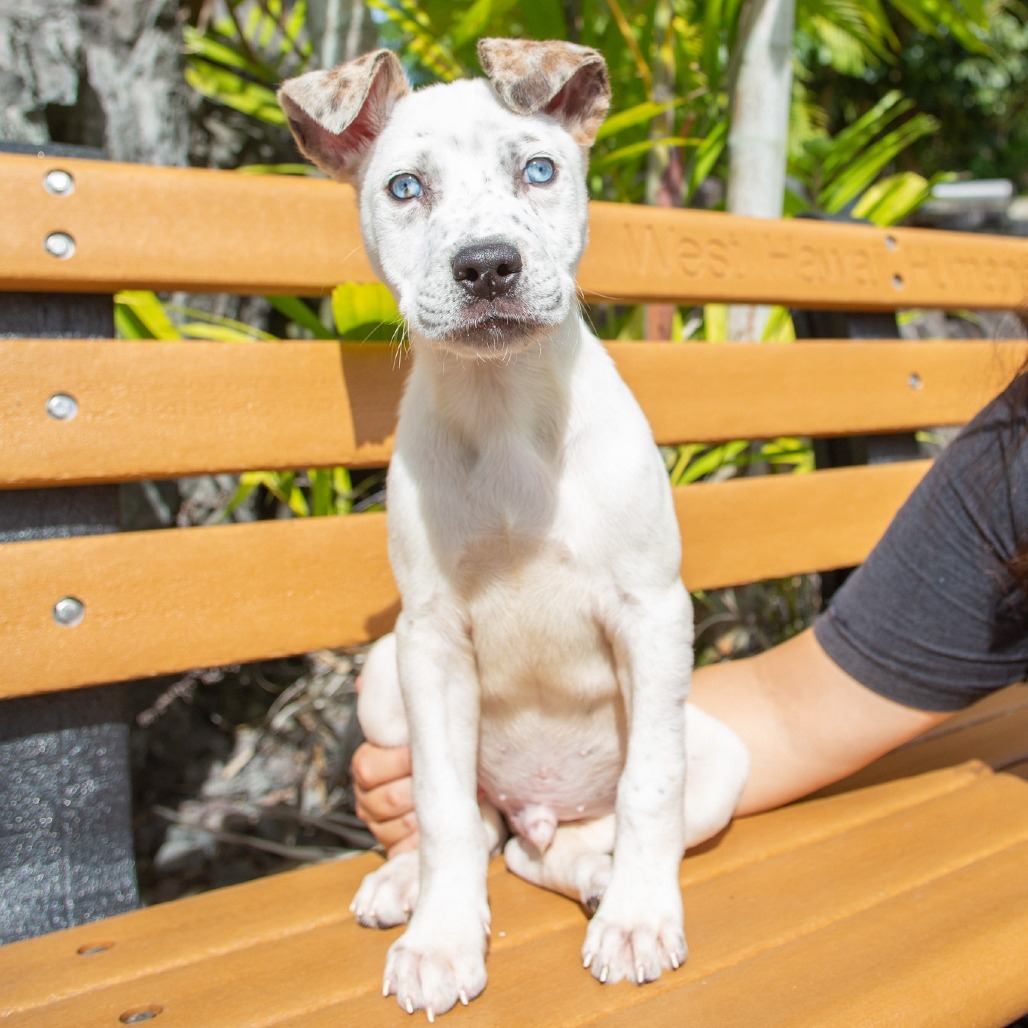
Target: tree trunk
[664,165]
[340,30]
[758,137]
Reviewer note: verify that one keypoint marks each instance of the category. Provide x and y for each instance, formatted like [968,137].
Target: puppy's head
[472,194]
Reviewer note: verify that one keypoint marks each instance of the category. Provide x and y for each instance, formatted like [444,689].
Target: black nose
[487,269]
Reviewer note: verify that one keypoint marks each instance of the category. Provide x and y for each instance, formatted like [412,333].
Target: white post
[758,134]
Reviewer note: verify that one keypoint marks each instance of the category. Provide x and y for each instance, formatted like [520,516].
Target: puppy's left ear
[565,80]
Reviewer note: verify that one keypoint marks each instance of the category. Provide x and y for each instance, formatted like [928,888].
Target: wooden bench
[904,900]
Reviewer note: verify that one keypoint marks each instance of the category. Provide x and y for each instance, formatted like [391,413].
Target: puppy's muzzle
[487,270]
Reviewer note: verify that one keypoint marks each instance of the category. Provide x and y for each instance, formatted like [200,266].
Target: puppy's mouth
[498,324]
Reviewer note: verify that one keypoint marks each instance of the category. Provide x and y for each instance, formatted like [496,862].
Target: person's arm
[804,720]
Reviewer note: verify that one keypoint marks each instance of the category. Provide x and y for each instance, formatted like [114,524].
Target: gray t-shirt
[933,619]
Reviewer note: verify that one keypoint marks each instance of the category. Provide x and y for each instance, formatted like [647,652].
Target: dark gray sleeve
[933,619]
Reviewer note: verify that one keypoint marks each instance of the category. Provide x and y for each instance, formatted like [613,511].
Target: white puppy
[544,646]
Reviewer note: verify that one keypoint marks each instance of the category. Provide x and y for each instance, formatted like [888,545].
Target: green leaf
[144,316]
[634,150]
[213,326]
[715,322]
[638,114]
[893,198]
[230,89]
[839,151]
[356,306]
[322,492]
[474,22]
[278,169]
[296,310]
[707,154]
[864,169]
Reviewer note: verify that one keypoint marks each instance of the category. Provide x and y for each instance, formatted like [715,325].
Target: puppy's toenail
[603,975]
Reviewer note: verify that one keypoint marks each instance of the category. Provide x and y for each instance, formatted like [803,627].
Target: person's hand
[385,800]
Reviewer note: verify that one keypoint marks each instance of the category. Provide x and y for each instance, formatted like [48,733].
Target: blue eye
[539,171]
[405,187]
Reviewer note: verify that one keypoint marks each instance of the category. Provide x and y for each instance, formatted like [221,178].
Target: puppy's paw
[387,896]
[636,948]
[434,973]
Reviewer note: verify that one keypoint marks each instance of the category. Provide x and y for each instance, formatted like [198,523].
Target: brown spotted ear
[336,115]
[564,80]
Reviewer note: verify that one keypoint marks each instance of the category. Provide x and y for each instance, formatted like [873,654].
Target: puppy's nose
[487,270]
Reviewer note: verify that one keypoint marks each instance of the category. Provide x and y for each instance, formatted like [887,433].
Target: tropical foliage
[672,64]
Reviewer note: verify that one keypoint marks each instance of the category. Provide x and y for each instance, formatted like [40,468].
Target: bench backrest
[158,602]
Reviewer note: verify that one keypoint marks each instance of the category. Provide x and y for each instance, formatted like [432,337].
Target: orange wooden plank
[162,410]
[136,226]
[748,896]
[773,917]
[779,525]
[176,228]
[695,392]
[659,254]
[949,952]
[166,601]
[159,602]
[166,409]
[198,928]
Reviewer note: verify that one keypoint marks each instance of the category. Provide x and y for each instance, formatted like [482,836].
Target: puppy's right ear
[336,115]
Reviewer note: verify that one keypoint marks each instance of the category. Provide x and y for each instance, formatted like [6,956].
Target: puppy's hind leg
[717,768]
[576,864]
[380,709]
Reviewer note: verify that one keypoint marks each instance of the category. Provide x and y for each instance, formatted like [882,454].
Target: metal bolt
[890,243]
[69,611]
[62,407]
[897,281]
[59,245]
[90,951]
[139,1016]
[914,380]
[58,182]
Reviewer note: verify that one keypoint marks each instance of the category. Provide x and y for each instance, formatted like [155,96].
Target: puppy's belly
[536,768]
[552,727]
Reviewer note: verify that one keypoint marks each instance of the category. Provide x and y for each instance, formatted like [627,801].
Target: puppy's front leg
[637,930]
[440,959]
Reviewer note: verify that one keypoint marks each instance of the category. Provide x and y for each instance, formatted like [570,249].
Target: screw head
[58,182]
[141,1014]
[62,407]
[59,245]
[69,611]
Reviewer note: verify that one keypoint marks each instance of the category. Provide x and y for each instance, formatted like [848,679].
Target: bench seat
[900,903]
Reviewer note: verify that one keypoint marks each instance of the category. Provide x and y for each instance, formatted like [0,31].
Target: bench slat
[199,928]
[906,896]
[166,601]
[657,254]
[167,409]
[216,231]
